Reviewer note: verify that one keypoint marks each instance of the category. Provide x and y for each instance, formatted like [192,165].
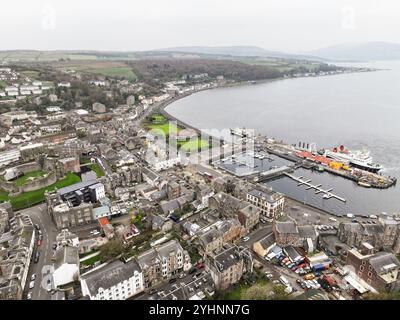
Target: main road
[43,268]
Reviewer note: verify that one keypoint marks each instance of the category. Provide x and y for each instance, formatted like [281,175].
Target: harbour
[277,116]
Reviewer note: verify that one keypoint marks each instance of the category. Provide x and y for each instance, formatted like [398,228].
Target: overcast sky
[285,25]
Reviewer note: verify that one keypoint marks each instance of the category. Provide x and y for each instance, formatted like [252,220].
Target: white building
[270,202]
[66,266]
[64,84]
[9,156]
[114,281]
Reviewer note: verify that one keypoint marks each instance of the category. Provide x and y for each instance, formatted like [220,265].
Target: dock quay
[365,180]
[327,193]
[273,173]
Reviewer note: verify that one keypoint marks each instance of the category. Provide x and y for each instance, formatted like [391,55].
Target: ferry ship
[360,159]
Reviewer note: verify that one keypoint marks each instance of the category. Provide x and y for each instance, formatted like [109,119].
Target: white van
[284,281]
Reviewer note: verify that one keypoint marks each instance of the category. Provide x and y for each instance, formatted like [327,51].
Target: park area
[160,125]
[28,199]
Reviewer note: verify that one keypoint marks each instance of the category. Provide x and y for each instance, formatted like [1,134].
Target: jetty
[327,192]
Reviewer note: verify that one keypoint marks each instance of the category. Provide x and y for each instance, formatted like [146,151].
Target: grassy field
[193,145]
[3,84]
[31,74]
[27,177]
[116,72]
[279,64]
[158,119]
[112,69]
[238,292]
[28,199]
[166,128]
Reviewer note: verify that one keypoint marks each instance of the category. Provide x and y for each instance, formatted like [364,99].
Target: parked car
[29,296]
[182,275]
[37,227]
[33,276]
[152,291]
[200,265]
[172,280]
[37,256]
[39,242]
[246,239]
[309,276]
[31,284]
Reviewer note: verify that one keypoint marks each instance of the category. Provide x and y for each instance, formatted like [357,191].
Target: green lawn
[193,145]
[91,261]
[28,199]
[96,168]
[3,84]
[158,119]
[27,177]
[166,128]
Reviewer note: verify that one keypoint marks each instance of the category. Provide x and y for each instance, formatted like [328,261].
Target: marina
[327,194]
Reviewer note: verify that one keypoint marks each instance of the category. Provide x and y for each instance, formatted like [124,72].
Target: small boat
[364,184]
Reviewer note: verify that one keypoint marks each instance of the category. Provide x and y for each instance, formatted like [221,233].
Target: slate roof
[286,227]
[110,275]
[66,255]
[382,259]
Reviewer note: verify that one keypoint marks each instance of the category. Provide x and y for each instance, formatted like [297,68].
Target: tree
[111,250]
[279,293]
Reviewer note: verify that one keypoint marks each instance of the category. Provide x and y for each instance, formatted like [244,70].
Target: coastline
[162,108]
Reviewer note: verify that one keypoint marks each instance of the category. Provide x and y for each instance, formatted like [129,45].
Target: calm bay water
[357,110]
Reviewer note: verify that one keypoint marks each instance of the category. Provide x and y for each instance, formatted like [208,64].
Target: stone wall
[32,185]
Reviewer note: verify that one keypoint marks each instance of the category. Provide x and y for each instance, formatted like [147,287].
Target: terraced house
[163,262]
